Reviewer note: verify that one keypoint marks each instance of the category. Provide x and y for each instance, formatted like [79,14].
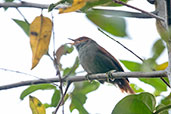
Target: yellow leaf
[36,106]
[76,5]
[162,66]
[40,34]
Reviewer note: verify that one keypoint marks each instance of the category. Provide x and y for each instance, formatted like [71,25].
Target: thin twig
[22,16]
[53,32]
[116,75]
[19,72]
[121,13]
[62,99]
[121,45]
[148,13]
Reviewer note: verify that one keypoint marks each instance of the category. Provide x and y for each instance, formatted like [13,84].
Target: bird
[95,59]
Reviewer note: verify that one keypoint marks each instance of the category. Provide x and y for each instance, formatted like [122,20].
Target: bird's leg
[87,77]
[109,75]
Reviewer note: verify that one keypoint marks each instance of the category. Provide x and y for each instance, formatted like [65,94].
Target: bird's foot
[109,76]
[88,78]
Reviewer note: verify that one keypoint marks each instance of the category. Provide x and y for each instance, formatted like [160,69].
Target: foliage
[143,103]
[40,33]
[24,25]
[36,106]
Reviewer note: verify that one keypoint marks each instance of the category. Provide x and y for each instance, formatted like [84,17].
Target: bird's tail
[123,84]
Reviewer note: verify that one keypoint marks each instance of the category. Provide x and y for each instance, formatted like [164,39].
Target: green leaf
[158,84]
[92,3]
[143,103]
[77,102]
[9,0]
[51,7]
[165,102]
[161,106]
[71,71]
[78,96]
[130,65]
[33,88]
[136,88]
[148,66]
[55,98]
[111,24]
[158,48]
[24,25]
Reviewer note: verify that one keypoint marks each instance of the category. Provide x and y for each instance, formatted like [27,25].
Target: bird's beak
[72,40]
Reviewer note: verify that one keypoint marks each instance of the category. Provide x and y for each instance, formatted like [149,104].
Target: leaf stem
[62,99]
[162,109]
[22,16]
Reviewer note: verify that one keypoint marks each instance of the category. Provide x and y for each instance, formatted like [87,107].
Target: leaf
[136,88]
[24,25]
[165,102]
[148,66]
[33,88]
[9,0]
[130,65]
[161,106]
[63,50]
[76,5]
[40,34]
[162,30]
[36,106]
[51,7]
[111,24]
[93,3]
[143,103]
[71,71]
[77,102]
[157,83]
[158,48]
[78,96]
[55,98]
[162,66]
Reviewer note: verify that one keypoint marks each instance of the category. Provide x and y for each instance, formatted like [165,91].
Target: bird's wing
[115,62]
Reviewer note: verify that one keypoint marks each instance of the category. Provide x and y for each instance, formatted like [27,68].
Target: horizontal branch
[109,12]
[24,4]
[124,13]
[117,75]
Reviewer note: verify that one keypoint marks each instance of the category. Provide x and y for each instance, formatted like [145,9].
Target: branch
[45,6]
[124,13]
[117,75]
[24,4]
[148,13]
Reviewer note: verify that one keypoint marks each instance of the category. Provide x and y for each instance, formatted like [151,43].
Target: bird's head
[80,42]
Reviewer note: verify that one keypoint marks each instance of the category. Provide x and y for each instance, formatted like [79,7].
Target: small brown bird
[95,59]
